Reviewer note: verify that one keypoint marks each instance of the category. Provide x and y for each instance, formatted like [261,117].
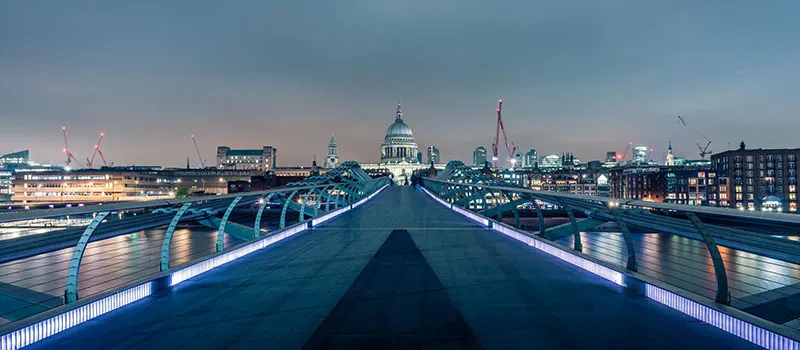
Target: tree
[183,192]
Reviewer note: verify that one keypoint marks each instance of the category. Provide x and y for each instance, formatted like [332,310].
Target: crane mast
[90,161]
[69,156]
[501,126]
[704,151]
[196,148]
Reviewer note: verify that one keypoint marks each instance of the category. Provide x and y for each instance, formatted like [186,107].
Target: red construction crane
[202,161]
[500,126]
[67,153]
[90,161]
[624,154]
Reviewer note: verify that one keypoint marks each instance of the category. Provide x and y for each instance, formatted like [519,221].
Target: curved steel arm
[71,292]
[257,223]
[285,207]
[317,205]
[576,233]
[165,244]
[626,234]
[539,216]
[221,231]
[723,292]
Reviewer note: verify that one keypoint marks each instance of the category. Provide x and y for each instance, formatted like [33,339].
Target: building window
[738,189]
[693,181]
[738,196]
[749,158]
[750,197]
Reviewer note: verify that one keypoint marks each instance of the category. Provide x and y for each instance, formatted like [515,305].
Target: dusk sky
[576,76]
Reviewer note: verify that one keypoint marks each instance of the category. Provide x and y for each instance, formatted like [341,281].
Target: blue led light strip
[35,332]
[738,327]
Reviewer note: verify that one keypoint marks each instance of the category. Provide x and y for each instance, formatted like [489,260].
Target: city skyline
[583,78]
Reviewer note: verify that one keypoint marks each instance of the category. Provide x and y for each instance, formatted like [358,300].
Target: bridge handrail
[776,217]
[50,213]
[610,209]
[362,188]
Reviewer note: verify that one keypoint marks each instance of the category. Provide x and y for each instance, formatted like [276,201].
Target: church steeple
[670,156]
[332,160]
[399,116]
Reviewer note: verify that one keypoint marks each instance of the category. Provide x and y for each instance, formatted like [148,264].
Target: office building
[552,161]
[692,185]
[759,179]
[479,156]
[6,177]
[433,155]
[21,157]
[531,159]
[640,154]
[247,159]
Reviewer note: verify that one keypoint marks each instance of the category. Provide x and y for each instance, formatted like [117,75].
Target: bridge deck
[437,281]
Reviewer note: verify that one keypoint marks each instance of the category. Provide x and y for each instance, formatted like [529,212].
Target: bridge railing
[491,197]
[480,201]
[112,263]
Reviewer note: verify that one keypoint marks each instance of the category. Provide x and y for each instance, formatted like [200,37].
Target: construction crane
[704,151]
[196,148]
[511,150]
[625,154]
[67,153]
[90,161]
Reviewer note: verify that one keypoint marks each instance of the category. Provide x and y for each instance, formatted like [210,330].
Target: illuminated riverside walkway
[400,271]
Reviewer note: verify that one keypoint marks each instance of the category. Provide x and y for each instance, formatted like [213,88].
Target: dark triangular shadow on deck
[397,302]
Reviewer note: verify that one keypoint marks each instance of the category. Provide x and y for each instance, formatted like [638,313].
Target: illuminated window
[723,196]
[738,189]
[792,188]
[738,196]
[693,181]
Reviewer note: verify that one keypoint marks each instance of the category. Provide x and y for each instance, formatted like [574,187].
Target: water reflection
[686,263]
[38,282]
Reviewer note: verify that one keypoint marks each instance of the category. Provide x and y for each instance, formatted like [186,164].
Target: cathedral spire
[399,115]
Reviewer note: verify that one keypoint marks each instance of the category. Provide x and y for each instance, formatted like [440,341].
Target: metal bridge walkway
[401,271]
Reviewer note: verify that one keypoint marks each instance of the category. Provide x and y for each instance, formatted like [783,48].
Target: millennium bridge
[456,260]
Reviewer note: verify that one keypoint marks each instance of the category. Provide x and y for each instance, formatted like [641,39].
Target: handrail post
[723,291]
[71,291]
[165,244]
[257,223]
[221,230]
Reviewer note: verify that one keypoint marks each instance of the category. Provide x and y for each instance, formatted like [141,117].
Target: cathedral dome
[399,129]
[398,145]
